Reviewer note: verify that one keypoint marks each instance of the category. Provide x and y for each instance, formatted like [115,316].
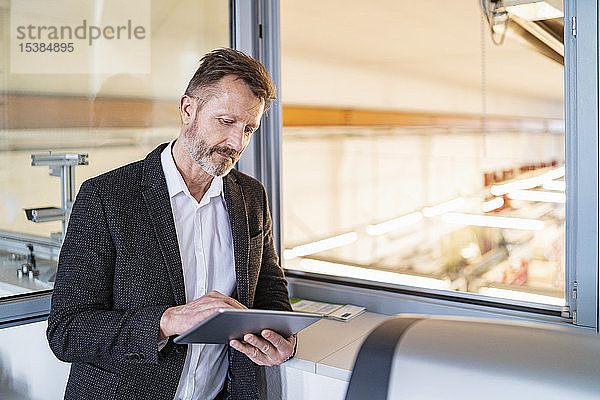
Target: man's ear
[186,109]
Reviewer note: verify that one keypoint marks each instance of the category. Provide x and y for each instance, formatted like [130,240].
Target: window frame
[258,36]
[581,150]
[581,155]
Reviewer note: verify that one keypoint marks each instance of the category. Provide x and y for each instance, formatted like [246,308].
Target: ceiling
[436,40]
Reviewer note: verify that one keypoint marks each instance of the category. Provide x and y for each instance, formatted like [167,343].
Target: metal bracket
[63,166]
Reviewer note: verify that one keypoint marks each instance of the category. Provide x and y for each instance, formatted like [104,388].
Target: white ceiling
[433,41]
[436,40]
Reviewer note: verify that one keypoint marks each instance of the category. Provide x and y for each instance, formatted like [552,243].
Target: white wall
[28,369]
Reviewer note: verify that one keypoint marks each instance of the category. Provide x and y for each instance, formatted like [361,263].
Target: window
[70,100]
[418,152]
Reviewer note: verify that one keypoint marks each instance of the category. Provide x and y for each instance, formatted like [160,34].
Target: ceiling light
[492,204]
[329,268]
[555,173]
[494,222]
[444,207]
[470,251]
[321,245]
[536,195]
[528,183]
[558,186]
[394,224]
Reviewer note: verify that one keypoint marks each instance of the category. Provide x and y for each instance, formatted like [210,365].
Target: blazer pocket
[86,381]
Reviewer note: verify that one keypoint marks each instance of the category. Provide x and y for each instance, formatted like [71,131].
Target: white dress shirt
[206,249]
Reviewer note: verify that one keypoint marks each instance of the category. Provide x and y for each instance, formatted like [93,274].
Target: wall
[28,369]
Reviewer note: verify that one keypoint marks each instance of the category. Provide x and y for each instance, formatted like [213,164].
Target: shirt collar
[175,182]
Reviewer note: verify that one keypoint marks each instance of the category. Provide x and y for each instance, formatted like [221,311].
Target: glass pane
[98,78]
[422,148]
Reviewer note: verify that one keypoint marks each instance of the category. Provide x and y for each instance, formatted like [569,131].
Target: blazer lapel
[238,219]
[156,197]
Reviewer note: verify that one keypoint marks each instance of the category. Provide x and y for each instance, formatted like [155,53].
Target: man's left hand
[268,349]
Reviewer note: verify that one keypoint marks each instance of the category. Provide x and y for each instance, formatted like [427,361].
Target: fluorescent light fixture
[558,186]
[523,296]
[499,190]
[470,251]
[536,195]
[444,207]
[394,224]
[321,245]
[492,204]
[288,254]
[554,174]
[494,222]
[529,183]
[535,11]
[329,268]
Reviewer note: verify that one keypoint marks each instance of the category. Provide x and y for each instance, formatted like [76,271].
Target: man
[158,245]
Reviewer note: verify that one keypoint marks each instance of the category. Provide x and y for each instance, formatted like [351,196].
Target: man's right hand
[177,320]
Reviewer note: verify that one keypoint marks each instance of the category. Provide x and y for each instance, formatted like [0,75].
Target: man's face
[219,130]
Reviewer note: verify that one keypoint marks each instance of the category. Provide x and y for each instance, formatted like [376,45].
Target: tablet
[233,323]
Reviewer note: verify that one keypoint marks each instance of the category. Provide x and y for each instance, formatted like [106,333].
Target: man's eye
[226,121]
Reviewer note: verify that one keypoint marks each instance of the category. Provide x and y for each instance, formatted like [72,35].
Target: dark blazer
[120,269]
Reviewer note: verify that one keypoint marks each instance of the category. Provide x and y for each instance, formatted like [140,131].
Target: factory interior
[422,158]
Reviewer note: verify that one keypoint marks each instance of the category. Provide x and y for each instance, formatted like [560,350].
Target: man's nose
[236,139]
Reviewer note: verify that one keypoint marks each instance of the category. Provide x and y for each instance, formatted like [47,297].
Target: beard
[202,153]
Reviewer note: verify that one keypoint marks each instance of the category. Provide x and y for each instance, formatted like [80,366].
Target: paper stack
[338,312]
